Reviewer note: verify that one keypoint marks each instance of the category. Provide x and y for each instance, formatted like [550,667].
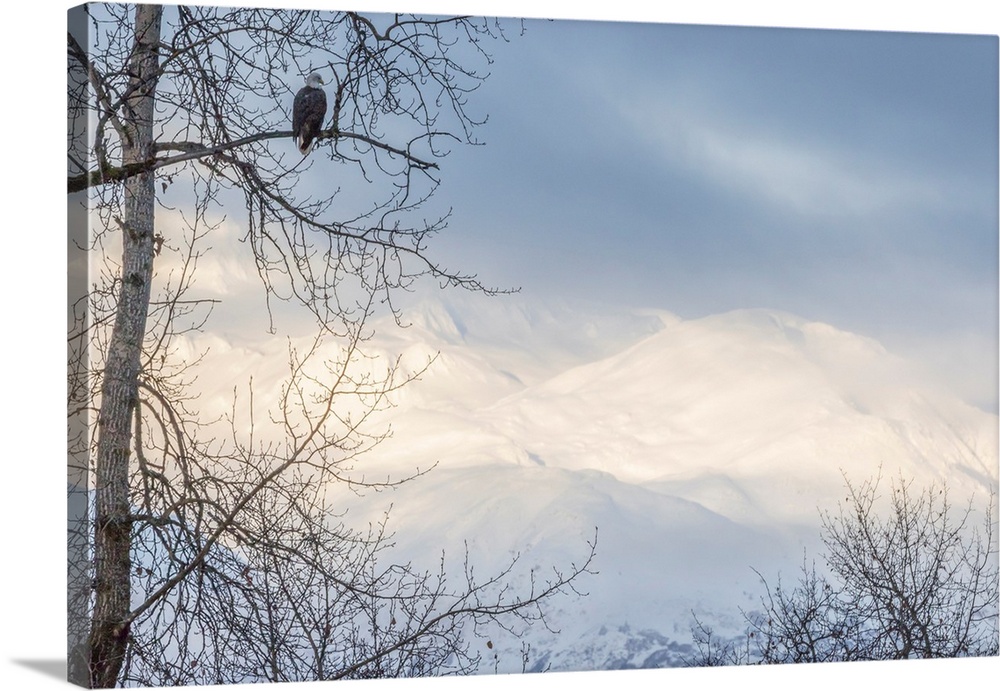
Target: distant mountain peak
[648,397]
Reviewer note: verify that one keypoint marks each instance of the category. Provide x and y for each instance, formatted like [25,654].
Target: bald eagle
[308,112]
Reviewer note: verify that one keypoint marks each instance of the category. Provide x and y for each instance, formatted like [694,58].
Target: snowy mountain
[698,449]
[752,413]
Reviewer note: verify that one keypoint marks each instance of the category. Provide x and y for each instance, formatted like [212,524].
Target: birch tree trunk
[112,527]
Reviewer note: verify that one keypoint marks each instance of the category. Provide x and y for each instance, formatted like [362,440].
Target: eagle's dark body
[308,112]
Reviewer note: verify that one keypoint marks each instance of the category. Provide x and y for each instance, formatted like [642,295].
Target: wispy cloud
[793,175]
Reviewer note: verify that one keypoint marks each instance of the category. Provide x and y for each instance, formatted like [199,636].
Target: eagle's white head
[315,80]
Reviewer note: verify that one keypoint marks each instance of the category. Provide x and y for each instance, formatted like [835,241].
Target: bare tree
[201,556]
[915,579]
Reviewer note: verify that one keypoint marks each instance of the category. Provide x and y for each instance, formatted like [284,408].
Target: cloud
[223,266]
[792,175]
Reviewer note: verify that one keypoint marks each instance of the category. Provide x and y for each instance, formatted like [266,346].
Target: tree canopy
[907,575]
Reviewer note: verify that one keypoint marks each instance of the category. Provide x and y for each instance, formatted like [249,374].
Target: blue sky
[845,176]
[702,168]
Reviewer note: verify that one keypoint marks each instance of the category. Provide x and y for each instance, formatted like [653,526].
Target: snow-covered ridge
[762,398]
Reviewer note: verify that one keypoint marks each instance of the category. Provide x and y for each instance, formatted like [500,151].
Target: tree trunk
[119,393]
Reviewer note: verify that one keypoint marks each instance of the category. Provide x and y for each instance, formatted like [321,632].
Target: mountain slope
[772,405]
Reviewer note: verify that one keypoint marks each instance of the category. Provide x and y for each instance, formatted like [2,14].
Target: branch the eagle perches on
[191,151]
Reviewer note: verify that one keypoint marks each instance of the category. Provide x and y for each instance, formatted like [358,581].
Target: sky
[709,162]
[845,176]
